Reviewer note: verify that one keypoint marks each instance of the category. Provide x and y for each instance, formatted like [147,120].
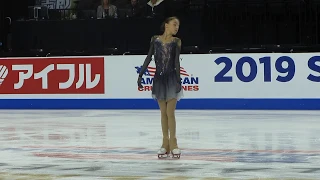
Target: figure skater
[166,87]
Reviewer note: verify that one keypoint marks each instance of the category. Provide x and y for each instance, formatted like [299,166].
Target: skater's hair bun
[166,21]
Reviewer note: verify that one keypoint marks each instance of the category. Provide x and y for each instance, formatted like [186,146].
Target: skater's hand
[139,82]
[178,87]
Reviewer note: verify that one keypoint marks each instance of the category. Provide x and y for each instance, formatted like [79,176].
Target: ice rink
[105,144]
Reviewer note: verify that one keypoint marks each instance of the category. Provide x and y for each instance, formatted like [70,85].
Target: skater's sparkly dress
[166,82]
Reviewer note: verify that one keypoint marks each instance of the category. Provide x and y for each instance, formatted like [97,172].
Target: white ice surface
[96,144]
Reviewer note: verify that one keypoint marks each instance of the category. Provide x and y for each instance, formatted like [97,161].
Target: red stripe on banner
[152,71]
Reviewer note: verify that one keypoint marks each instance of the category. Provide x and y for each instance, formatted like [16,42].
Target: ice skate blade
[176,156]
[163,156]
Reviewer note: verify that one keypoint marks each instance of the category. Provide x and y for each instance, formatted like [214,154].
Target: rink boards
[210,81]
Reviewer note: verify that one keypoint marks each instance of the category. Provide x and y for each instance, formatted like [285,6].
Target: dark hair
[103,3]
[162,28]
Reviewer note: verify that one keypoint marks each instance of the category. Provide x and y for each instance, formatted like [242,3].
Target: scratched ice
[92,144]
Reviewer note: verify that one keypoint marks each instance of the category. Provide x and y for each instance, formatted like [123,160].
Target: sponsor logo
[52,76]
[189,82]
[3,73]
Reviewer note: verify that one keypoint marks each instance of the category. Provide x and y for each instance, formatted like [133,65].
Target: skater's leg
[164,125]
[171,107]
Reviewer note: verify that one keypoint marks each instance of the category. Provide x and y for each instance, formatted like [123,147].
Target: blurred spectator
[134,8]
[5,34]
[155,8]
[106,9]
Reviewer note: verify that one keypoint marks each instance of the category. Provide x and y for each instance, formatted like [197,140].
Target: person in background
[155,8]
[134,9]
[106,9]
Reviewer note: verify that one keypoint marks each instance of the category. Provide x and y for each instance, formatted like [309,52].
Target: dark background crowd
[91,27]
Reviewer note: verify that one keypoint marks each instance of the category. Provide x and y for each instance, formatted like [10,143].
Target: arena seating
[206,26]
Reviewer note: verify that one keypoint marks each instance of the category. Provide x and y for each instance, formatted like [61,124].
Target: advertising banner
[40,76]
[209,81]
[225,76]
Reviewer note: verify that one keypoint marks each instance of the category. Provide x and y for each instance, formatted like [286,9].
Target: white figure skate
[176,153]
[162,153]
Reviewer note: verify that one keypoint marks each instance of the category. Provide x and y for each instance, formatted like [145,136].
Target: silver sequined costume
[167,81]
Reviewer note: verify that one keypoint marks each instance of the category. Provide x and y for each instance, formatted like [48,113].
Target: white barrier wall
[210,81]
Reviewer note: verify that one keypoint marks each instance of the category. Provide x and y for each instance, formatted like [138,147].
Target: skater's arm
[148,58]
[177,59]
